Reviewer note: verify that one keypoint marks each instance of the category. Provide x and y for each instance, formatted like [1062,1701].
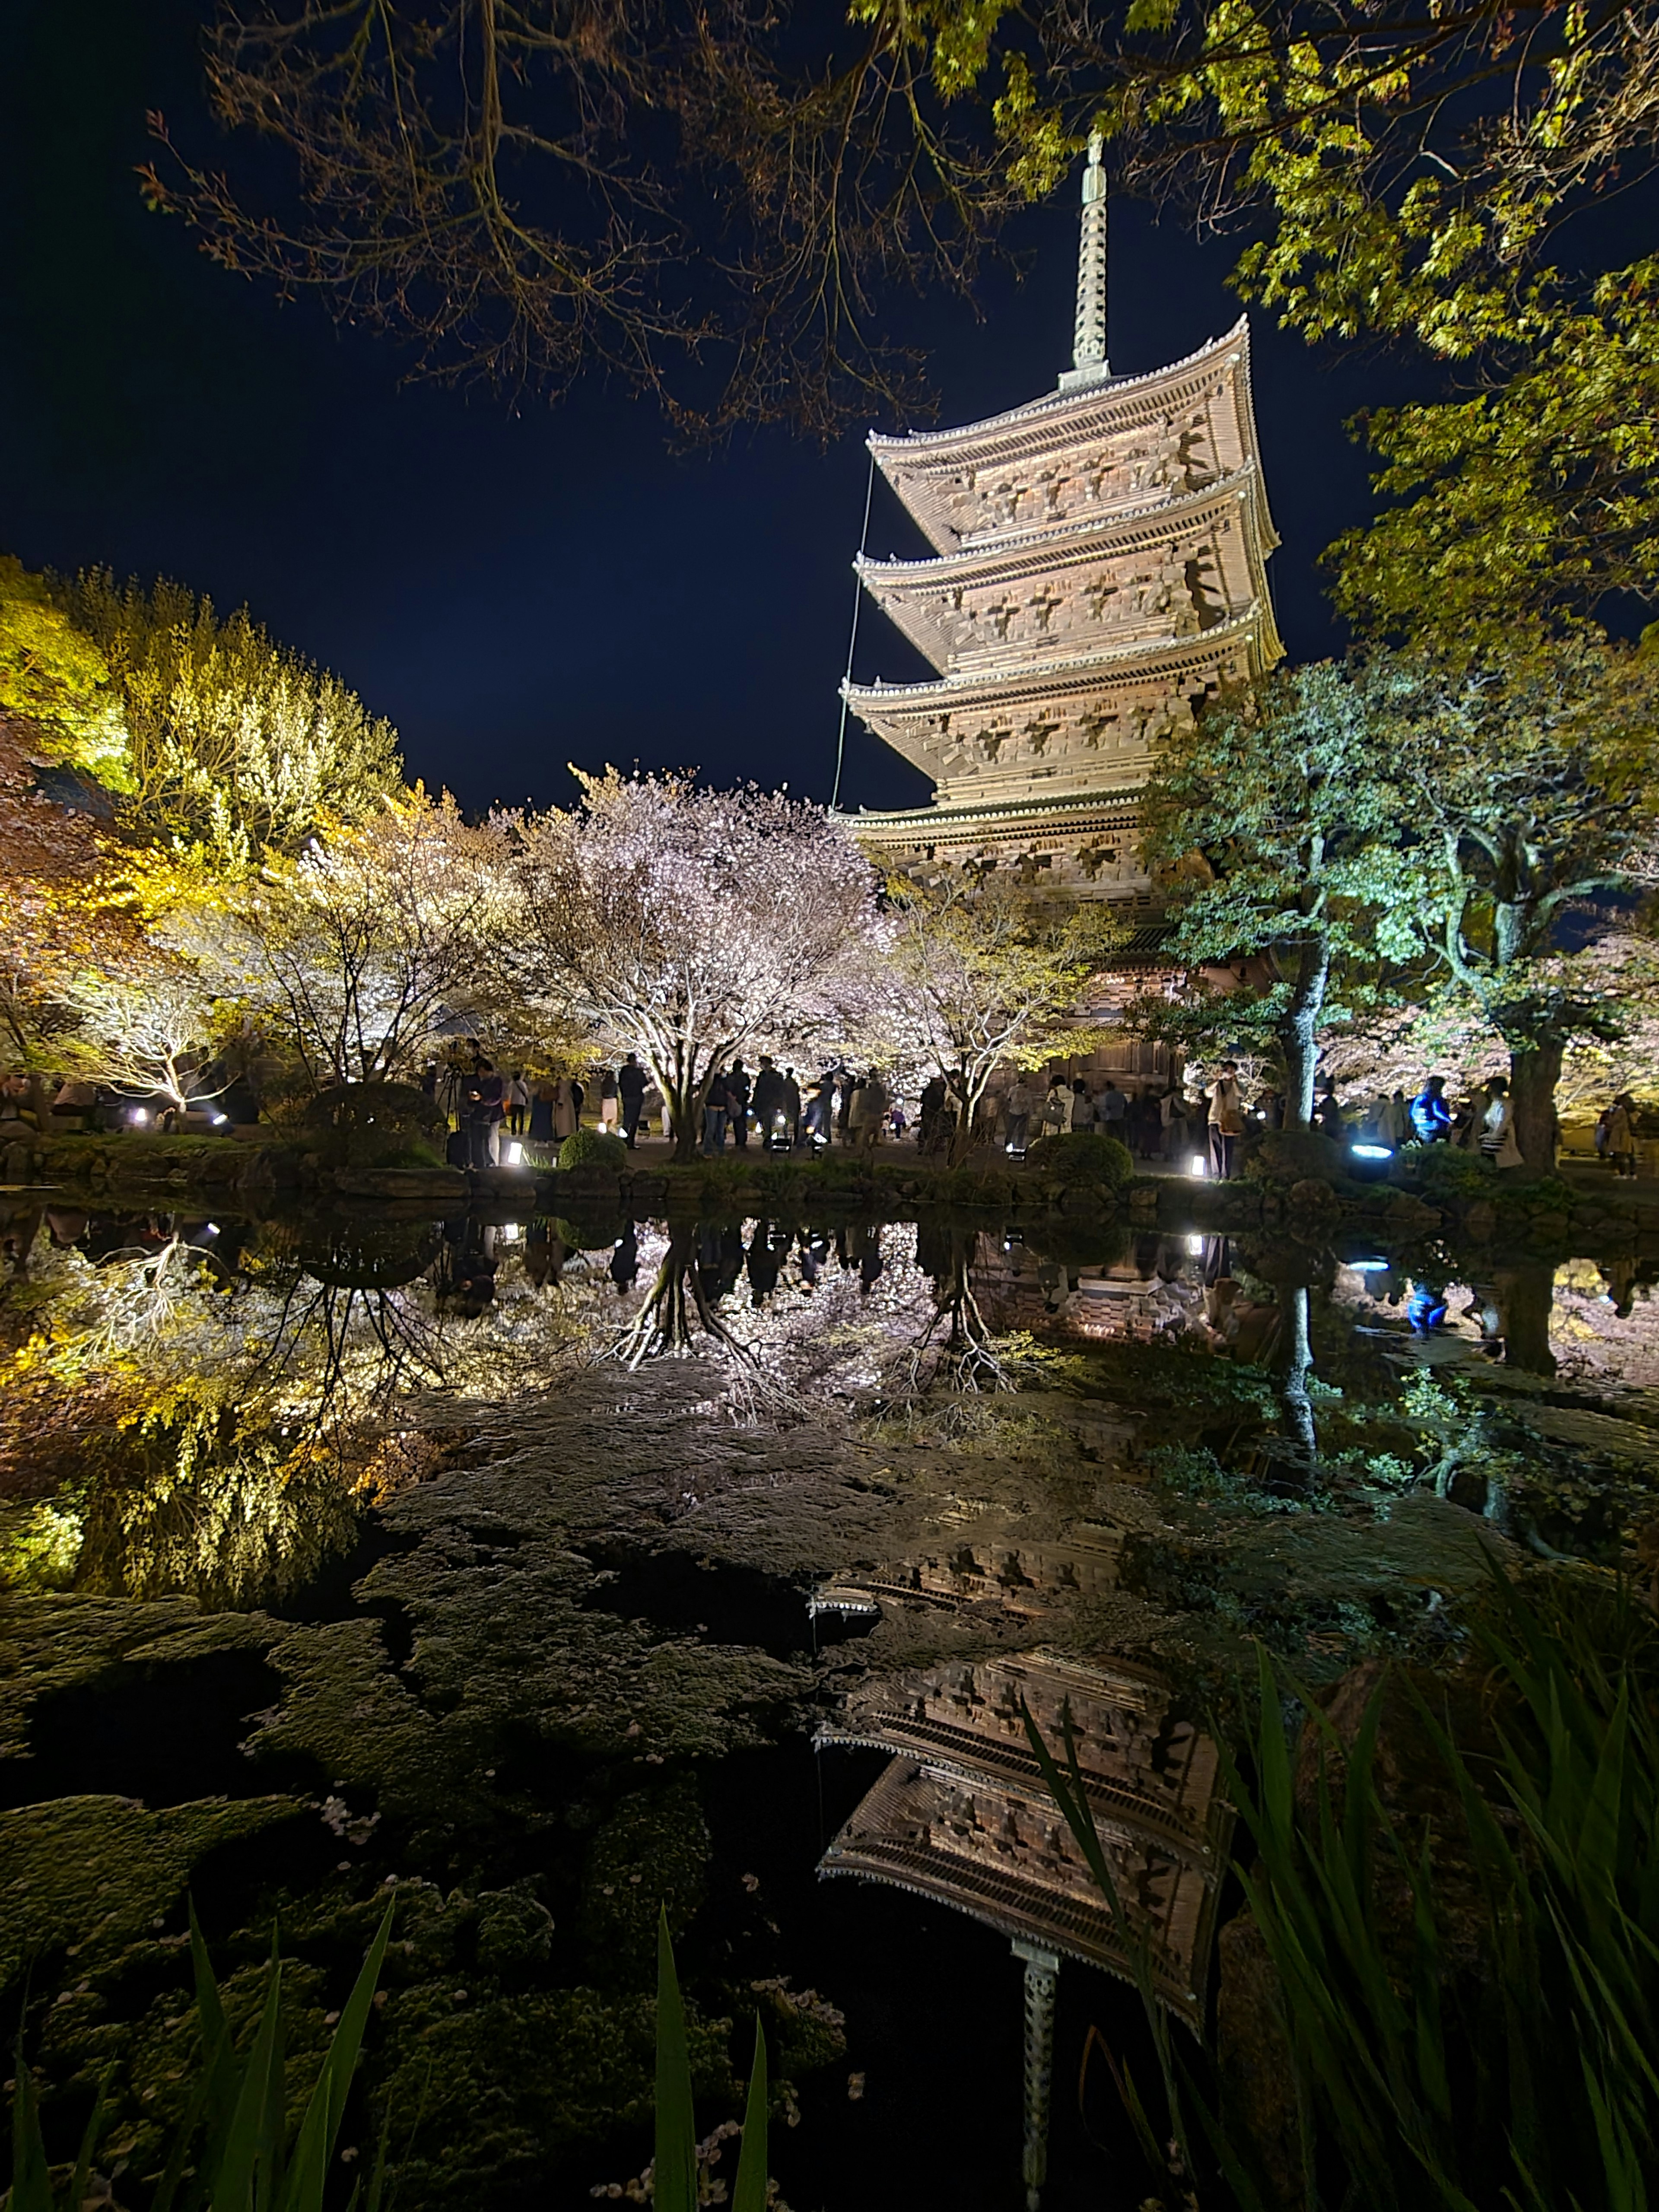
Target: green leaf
[675,2180]
[750,2193]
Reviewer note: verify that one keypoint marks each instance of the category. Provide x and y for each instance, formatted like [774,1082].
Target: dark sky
[517,587]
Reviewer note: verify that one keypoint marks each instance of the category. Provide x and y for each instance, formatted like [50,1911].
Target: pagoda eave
[878,704]
[1067,545]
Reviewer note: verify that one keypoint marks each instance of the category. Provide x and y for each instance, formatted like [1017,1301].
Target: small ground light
[1199,1164]
[220,1120]
[1372,1152]
[138,1116]
[510,1232]
[1368,1266]
[514,1154]
[1195,1246]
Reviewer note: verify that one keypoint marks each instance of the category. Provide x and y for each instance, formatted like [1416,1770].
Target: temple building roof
[1118,447]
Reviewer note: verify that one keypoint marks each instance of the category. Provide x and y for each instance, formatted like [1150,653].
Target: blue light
[1367,1266]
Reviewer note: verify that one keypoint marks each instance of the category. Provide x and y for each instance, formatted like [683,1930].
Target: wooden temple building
[1098,570]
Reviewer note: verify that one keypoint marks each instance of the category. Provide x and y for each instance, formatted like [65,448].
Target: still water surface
[549,1572]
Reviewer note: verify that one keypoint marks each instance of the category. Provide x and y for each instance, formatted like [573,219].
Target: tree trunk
[1525,1298]
[1299,1032]
[1534,1074]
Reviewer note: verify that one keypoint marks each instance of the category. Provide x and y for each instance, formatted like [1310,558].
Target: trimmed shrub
[374,1124]
[1078,1157]
[593,1148]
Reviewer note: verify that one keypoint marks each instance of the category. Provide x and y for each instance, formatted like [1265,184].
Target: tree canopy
[988,973]
[690,925]
[719,206]
[1275,822]
[233,742]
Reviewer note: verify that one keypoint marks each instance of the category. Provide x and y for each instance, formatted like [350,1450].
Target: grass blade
[750,2193]
[320,2130]
[676,2171]
[31,2178]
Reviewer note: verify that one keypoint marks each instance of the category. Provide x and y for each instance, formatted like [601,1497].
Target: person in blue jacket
[1431,1115]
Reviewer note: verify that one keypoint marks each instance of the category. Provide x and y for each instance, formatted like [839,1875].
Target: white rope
[852,635]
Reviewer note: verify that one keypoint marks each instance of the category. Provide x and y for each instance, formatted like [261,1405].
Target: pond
[544,1574]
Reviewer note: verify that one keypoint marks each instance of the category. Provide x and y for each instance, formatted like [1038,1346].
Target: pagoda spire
[1088,361]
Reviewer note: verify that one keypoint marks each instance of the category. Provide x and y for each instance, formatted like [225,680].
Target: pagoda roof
[925,466]
[939,819]
[1056,680]
[911,592]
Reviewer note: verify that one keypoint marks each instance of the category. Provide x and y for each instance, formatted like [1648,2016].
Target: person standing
[1621,1135]
[716,1104]
[517,1102]
[738,1087]
[1495,1126]
[789,1106]
[1328,1110]
[610,1101]
[1226,1119]
[630,1094]
[1114,1108]
[1057,1108]
[1083,1107]
[1431,1116]
[541,1112]
[564,1109]
[764,1098]
[1020,1104]
[874,1125]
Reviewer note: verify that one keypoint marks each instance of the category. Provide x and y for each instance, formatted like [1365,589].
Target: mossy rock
[373,1125]
[1077,1157]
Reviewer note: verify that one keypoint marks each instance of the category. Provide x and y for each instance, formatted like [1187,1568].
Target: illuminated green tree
[1275,821]
[235,743]
[54,675]
[988,973]
[1531,780]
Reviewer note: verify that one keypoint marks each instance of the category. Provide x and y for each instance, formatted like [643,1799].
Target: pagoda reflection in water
[961,1814]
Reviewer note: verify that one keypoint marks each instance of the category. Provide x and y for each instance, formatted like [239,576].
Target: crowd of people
[1194,1129]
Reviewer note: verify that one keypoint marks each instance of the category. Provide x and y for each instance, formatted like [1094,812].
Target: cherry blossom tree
[987,974]
[692,926]
[354,955]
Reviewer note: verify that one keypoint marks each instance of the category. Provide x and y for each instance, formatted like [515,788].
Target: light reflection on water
[543,1538]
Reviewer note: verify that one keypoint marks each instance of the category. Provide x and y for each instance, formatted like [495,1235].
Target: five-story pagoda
[1099,570]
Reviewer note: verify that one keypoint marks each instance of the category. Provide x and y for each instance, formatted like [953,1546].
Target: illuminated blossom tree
[352,956]
[691,925]
[144,1029]
[987,974]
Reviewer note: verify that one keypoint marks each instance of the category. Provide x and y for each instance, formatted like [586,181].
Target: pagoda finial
[1088,361]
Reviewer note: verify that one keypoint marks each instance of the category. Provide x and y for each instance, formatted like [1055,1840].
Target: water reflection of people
[1426,1309]
[466,1270]
[625,1259]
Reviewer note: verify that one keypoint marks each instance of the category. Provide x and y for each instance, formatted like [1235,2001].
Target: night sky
[518,586]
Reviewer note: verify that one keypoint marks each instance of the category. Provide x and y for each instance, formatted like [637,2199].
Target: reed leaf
[749,2194]
[675,2174]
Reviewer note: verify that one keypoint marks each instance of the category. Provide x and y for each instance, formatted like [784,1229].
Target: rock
[1549,1228]
[19,1164]
[1480,1221]
[446,1184]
